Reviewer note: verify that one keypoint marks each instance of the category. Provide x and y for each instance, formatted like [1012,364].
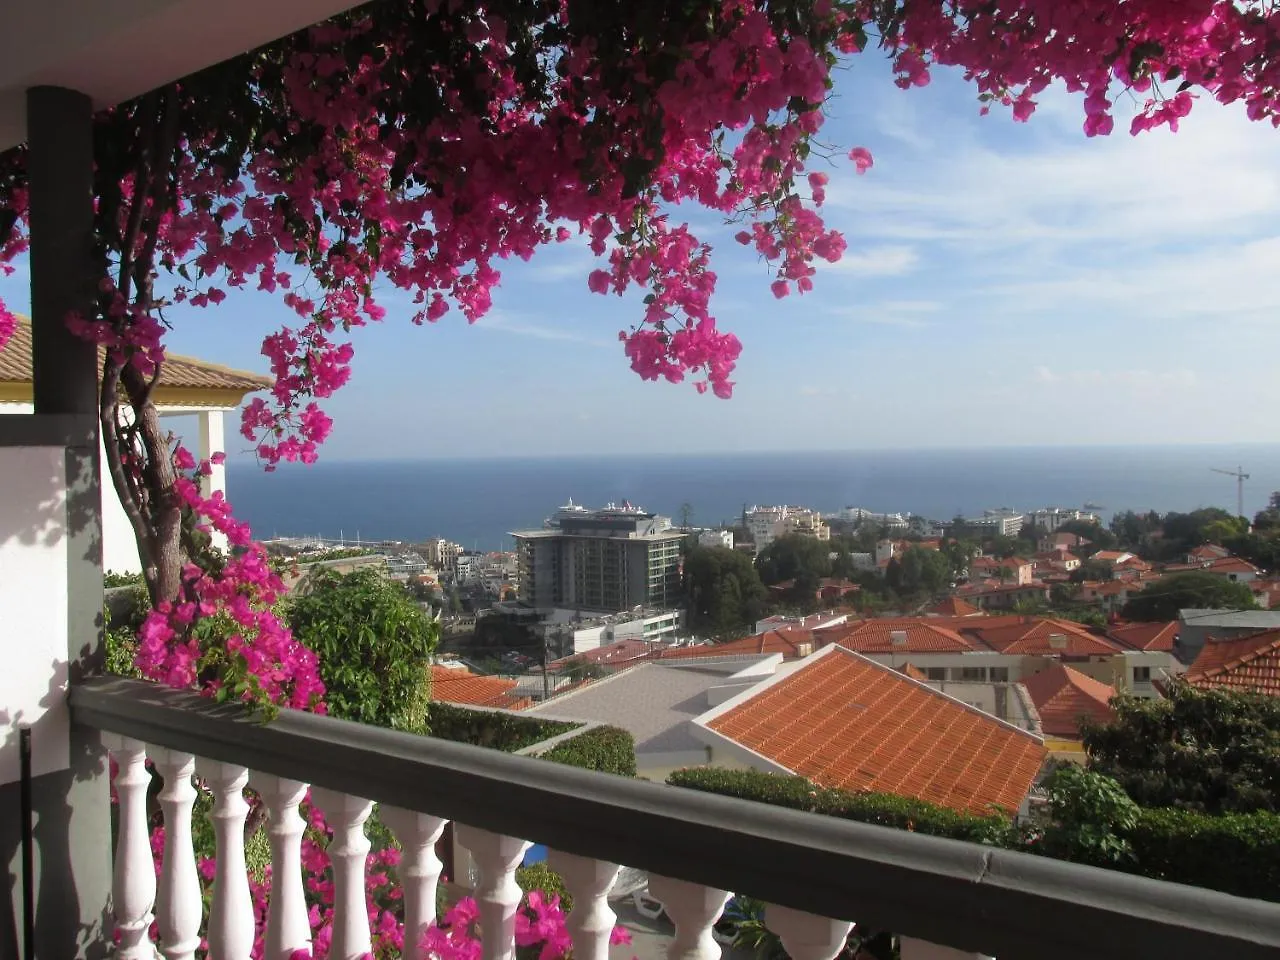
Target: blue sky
[1005,284]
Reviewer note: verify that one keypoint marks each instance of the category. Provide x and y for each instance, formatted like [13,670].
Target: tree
[1132,530]
[1099,536]
[723,592]
[1163,599]
[1092,570]
[374,643]
[686,515]
[396,144]
[1214,751]
[794,556]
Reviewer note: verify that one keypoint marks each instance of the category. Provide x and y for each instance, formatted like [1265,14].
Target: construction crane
[1241,477]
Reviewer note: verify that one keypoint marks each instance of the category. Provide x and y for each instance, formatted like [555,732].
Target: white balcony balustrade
[946,900]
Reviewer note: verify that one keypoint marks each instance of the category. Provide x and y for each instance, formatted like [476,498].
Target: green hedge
[880,808]
[485,728]
[1233,853]
[607,749]
[539,876]
[1236,853]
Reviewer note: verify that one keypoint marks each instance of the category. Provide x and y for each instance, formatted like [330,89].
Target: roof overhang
[117,50]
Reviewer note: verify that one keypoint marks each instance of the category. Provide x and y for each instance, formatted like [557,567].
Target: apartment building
[606,560]
[766,524]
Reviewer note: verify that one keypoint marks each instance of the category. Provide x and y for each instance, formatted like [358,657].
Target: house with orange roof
[1063,697]
[811,621]
[1207,553]
[1061,541]
[1248,663]
[954,607]
[793,644]
[1007,570]
[994,595]
[1148,652]
[1111,595]
[459,685]
[1266,592]
[843,720]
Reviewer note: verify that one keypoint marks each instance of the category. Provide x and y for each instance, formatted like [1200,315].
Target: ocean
[478,502]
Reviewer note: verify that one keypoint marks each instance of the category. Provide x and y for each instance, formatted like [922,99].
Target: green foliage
[1213,751]
[372,642]
[1235,853]
[1099,537]
[1163,599]
[485,728]
[1092,570]
[794,557]
[579,669]
[745,917]
[539,876]
[1091,815]
[606,749]
[112,579]
[122,615]
[884,809]
[723,592]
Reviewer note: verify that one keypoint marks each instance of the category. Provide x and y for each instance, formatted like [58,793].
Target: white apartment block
[716,538]
[766,524]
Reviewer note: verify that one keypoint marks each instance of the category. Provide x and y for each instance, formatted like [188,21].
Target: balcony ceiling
[116,50]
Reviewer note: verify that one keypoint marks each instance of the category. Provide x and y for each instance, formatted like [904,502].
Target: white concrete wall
[119,547]
[33,608]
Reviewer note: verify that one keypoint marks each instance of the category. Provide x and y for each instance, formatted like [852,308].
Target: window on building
[999,674]
[1141,674]
[973,674]
[936,673]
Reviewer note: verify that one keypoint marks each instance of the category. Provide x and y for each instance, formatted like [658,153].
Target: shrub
[1092,816]
[539,876]
[607,749]
[879,808]
[486,728]
[1235,853]
[372,642]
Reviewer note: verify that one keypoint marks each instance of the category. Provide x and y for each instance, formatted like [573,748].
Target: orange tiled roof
[1111,556]
[1231,565]
[1032,637]
[914,672]
[1063,695]
[1208,551]
[955,607]
[178,372]
[924,635]
[793,644]
[610,654]
[1145,636]
[844,721]
[1242,663]
[456,685]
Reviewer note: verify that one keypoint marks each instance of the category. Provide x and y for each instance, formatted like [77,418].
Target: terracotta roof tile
[456,685]
[1242,663]
[1145,636]
[1063,696]
[1033,637]
[178,372]
[923,635]
[842,720]
[955,607]
[792,644]
[914,672]
[1231,565]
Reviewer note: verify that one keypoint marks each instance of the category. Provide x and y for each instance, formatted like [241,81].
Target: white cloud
[892,260]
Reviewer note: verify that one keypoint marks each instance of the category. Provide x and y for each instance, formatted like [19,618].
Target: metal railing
[969,897]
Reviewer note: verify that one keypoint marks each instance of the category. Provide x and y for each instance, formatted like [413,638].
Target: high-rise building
[607,560]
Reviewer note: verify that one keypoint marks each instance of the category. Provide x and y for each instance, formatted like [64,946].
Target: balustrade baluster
[288,928]
[133,887]
[807,936]
[497,895]
[694,909]
[419,871]
[178,903]
[231,917]
[912,949]
[348,852]
[590,922]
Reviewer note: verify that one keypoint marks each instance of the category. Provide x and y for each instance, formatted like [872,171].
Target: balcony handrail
[971,897]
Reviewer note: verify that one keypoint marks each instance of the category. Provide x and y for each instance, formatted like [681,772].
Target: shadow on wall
[58,839]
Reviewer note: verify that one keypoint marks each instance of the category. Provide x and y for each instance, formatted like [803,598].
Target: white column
[807,936]
[213,440]
[231,912]
[419,871]
[912,949]
[590,922]
[178,903]
[694,909]
[288,928]
[133,889]
[348,851]
[497,893]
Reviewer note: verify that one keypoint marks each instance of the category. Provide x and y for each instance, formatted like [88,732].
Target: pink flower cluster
[243,587]
[540,923]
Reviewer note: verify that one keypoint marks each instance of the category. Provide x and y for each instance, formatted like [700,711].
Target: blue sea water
[478,502]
